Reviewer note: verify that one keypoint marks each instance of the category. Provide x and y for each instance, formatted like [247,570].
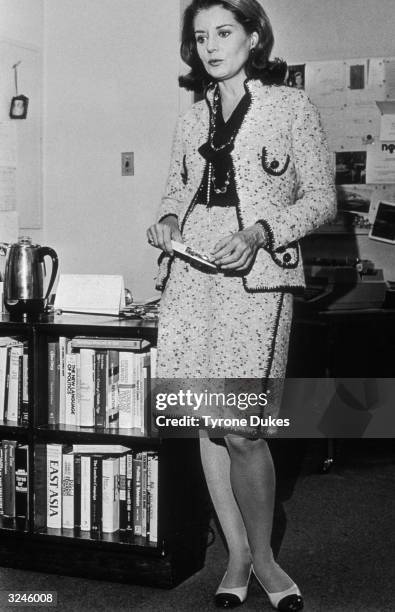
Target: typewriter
[343,284]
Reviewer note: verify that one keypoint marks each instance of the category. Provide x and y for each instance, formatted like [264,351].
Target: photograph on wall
[350,167]
[354,198]
[296,76]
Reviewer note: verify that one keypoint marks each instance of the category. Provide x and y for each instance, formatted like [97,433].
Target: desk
[357,343]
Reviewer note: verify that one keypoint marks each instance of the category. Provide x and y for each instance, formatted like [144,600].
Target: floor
[336,532]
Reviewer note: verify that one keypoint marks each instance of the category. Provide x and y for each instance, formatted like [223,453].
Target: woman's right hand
[161,234]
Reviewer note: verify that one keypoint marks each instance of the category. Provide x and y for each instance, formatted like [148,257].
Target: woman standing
[249,176]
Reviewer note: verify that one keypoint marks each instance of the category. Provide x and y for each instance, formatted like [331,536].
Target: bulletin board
[347,93]
[21,139]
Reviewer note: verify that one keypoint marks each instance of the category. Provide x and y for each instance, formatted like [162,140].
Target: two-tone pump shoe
[289,600]
[231,597]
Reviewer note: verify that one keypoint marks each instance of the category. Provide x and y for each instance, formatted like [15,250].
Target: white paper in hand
[183,249]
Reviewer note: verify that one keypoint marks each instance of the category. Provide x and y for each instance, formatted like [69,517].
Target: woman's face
[222,43]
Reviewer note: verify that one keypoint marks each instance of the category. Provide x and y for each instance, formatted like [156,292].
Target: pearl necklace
[210,173]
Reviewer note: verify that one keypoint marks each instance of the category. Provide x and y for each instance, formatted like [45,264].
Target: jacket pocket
[274,163]
[286,257]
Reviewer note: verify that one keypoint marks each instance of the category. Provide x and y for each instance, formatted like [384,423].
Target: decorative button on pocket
[273,167]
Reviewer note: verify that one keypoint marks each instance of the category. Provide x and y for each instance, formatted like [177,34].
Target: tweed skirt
[209,325]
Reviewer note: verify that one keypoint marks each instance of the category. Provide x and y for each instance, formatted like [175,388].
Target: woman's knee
[244,446]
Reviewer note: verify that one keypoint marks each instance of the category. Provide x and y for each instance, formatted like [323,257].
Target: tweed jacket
[283,175]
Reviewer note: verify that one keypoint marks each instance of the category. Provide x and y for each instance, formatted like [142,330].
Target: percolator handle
[55,264]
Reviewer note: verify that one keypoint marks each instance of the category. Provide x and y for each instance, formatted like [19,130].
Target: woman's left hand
[237,251]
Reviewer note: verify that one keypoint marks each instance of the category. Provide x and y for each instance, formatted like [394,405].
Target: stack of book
[102,489]
[99,382]
[14,479]
[14,388]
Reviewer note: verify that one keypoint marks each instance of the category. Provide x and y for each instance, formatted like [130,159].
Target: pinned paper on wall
[387,122]
[90,293]
[389,78]
[380,163]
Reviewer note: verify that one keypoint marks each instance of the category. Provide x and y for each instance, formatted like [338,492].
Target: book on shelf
[96,493]
[110,517]
[112,412]
[77,491]
[53,383]
[87,388]
[100,342]
[101,369]
[9,447]
[54,484]
[14,479]
[68,490]
[98,488]
[22,481]
[14,390]
[85,493]
[25,385]
[107,386]
[122,492]
[137,484]
[1,479]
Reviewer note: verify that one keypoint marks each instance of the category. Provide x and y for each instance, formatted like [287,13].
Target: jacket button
[286,257]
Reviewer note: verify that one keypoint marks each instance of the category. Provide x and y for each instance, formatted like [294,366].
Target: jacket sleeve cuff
[269,233]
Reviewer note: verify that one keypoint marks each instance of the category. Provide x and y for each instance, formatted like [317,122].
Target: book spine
[137,466]
[19,394]
[25,385]
[96,493]
[68,491]
[77,388]
[122,493]
[147,394]
[9,478]
[52,416]
[112,416]
[100,388]
[110,495]
[54,486]
[22,481]
[1,480]
[77,491]
[3,375]
[129,491]
[7,383]
[62,379]
[13,388]
[85,493]
[70,396]
[154,489]
[144,466]
[139,391]
[87,388]
[109,343]
[126,387]
[149,480]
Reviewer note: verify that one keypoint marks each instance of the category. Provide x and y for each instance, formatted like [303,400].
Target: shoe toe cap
[291,603]
[227,600]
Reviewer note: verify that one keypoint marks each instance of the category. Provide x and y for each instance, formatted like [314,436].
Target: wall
[319,30]
[111,86]
[22,21]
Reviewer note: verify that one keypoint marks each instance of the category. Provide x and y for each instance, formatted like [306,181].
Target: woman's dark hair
[250,14]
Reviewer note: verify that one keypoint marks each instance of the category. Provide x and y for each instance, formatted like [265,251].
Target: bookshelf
[183,506]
